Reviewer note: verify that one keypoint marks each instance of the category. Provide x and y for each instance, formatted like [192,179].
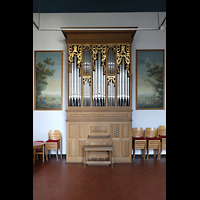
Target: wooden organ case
[99,100]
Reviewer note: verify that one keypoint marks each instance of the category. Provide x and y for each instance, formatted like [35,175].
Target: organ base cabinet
[99,97]
[97,131]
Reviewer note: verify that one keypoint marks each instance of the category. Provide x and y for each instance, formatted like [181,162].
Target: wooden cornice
[99,34]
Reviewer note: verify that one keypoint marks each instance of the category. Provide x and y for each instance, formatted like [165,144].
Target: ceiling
[87,6]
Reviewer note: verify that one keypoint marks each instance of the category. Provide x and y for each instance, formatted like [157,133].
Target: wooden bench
[99,161]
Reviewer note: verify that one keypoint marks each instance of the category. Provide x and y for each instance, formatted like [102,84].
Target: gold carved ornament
[95,49]
[75,50]
[123,50]
[111,78]
[87,45]
[111,46]
[88,78]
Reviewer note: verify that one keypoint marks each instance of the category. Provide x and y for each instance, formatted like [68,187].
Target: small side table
[38,145]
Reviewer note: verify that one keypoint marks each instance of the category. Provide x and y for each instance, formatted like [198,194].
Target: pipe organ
[99,106]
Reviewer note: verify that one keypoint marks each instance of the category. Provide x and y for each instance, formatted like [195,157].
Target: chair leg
[143,154]
[60,154]
[161,148]
[57,153]
[155,153]
[46,152]
[158,154]
[60,151]
[145,148]
[159,151]
[158,157]
[133,153]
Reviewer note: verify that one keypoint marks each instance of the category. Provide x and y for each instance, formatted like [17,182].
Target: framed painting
[48,80]
[150,79]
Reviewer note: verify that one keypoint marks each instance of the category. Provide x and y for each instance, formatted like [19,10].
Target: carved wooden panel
[92,115]
[125,130]
[125,147]
[81,143]
[116,147]
[99,129]
[116,130]
[82,131]
[72,131]
[72,147]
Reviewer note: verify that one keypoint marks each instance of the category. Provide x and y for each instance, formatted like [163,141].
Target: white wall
[43,121]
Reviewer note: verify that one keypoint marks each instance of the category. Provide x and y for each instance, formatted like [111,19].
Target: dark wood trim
[99,36]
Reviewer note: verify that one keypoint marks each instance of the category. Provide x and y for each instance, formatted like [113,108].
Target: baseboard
[54,155]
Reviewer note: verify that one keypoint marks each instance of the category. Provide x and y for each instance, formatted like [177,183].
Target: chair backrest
[161,130]
[54,135]
[137,132]
[150,132]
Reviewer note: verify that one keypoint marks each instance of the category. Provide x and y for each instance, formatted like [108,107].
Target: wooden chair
[138,141]
[53,143]
[162,136]
[153,142]
[38,151]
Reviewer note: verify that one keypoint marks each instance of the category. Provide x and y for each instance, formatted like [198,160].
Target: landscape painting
[149,79]
[48,74]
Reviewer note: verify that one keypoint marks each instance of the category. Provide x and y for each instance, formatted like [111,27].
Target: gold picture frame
[150,79]
[48,80]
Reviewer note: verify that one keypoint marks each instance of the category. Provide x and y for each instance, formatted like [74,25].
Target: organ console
[99,100]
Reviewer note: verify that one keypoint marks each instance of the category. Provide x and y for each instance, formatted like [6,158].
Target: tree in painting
[41,75]
[155,74]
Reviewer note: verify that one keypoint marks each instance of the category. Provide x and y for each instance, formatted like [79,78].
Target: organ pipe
[98,83]
[123,86]
[86,61]
[86,79]
[111,62]
[75,80]
[111,90]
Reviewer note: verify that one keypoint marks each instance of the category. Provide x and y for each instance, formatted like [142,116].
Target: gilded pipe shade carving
[88,78]
[123,50]
[95,49]
[75,50]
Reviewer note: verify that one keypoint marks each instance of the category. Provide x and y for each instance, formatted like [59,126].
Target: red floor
[141,180]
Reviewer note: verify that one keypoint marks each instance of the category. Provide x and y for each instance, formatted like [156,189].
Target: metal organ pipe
[86,70]
[74,85]
[98,70]
[111,70]
[128,95]
[123,65]
[98,83]
[72,99]
[118,85]
[75,80]
[111,62]
[123,84]
[70,89]
[104,90]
